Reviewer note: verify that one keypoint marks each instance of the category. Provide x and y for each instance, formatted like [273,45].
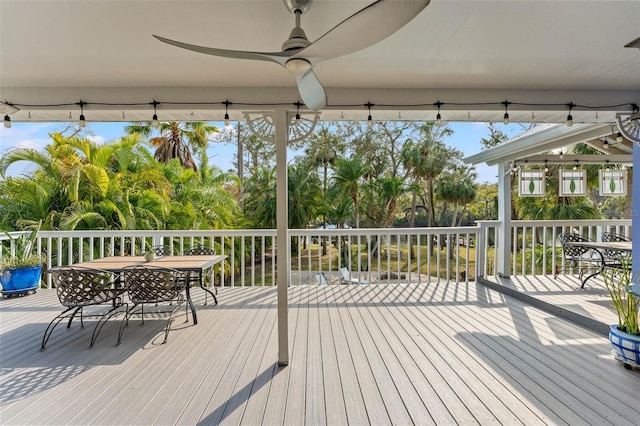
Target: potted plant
[624,336]
[20,272]
[149,255]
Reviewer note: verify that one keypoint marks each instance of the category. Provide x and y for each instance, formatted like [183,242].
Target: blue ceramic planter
[625,346]
[20,280]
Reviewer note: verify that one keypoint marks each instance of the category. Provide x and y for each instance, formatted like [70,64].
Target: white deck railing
[535,247]
[374,255]
[391,255]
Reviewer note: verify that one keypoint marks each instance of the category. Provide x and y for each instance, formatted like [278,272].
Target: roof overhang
[543,138]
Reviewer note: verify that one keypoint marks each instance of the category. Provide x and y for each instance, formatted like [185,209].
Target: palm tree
[176,141]
[424,161]
[348,175]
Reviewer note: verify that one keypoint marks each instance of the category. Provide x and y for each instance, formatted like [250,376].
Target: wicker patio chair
[78,288]
[578,258]
[206,280]
[616,259]
[152,285]
[162,250]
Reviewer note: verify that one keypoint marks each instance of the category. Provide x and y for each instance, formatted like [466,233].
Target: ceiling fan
[364,28]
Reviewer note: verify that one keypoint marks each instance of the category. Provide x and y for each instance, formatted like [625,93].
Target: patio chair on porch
[162,250]
[207,280]
[346,277]
[320,278]
[578,258]
[616,259]
[79,288]
[152,285]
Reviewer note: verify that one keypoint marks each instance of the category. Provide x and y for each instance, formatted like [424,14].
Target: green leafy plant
[618,282]
[23,255]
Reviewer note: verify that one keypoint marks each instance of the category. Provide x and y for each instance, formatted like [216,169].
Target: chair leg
[57,320]
[168,327]
[125,321]
[78,309]
[103,320]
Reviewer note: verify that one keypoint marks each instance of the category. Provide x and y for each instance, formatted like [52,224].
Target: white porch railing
[535,247]
[374,255]
[392,255]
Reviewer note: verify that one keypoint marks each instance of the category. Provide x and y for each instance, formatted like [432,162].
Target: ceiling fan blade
[277,57]
[367,27]
[311,91]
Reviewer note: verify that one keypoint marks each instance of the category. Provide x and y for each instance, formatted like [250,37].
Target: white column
[282,224]
[503,239]
[635,211]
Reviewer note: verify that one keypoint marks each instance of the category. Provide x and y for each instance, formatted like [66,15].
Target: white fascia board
[546,138]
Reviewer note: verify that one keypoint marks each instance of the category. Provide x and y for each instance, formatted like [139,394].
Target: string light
[576,166]
[561,156]
[369,119]
[226,112]
[506,112]
[546,166]
[546,106]
[82,121]
[297,120]
[438,116]
[154,119]
[570,117]
[7,121]
[605,144]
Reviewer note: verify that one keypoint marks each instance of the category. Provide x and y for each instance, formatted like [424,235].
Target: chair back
[570,251]
[162,250]
[82,286]
[200,250]
[613,237]
[146,284]
[615,257]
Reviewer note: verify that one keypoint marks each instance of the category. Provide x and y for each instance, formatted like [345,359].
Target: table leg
[215,299]
[191,305]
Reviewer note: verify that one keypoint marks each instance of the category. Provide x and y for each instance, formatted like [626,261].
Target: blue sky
[466,137]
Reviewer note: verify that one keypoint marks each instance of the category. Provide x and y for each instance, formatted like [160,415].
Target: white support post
[635,216]
[282,235]
[503,239]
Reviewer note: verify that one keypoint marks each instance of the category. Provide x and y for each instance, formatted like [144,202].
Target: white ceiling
[542,52]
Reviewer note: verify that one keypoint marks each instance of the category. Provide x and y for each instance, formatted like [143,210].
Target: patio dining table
[601,247]
[198,264]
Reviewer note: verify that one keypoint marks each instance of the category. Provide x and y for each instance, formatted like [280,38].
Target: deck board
[430,353]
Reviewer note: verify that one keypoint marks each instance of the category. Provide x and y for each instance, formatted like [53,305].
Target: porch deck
[436,353]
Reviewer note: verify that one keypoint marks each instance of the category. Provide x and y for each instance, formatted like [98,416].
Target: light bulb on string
[369,118]
[561,156]
[82,121]
[438,116]
[505,118]
[297,119]
[226,113]
[154,119]
[570,117]
[7,121]
[546,166]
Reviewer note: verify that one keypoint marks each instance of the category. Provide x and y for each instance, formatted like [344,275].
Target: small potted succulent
[20,272]
[624,291]
[149,255]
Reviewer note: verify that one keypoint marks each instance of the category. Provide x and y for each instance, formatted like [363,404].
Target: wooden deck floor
[438,353]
